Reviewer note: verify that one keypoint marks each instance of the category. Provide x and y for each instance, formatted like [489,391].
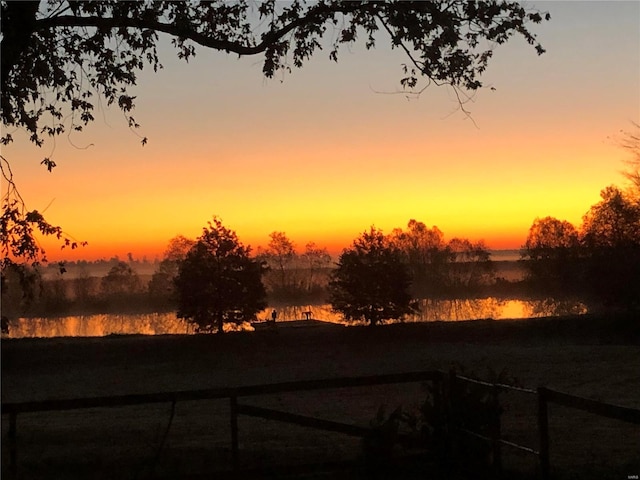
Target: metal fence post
[233,404]
[543,430]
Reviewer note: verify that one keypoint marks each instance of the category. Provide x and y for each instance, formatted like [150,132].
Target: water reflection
[550,307]
[430,310]
[104,325]
[167,323]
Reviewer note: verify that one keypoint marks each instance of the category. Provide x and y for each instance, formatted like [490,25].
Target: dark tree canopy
[279,255]
[60,57]
[77,51]
[371,281]
[550,254]
[218,281]
[614,222]
[162,284]
[315,259]
[120,280]
[600,262]
[442,268]
[611,240]
[424,251]
[548,235]
[631,143]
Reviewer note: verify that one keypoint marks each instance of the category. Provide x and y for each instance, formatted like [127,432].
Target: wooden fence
[231,393]
[495,439]
[442,398]
[546,396]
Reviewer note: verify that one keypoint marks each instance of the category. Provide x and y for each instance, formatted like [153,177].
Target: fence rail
[232,393]
[439,379]
[495,438]
[625,414]
[546,396]
[302,420]
[216,393]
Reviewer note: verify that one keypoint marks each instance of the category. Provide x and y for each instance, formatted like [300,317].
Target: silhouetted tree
[551,255]
[631,142]
[469,266]
[61,57]
[614,222]
[611,243]
[177,249]
[424,251]
[162,284]
[371,281]
[20,288]
[121,280]
[548,235]
[316,259]
[280,255]
[84,287]
[442,268]
[601,262]
[54,298]
[218,281]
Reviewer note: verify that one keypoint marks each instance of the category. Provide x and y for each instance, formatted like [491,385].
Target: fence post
[13,445]
[543,430]
[452,387]
[452,413]
[440,427]
[496,430]
[233,403]
[438,401]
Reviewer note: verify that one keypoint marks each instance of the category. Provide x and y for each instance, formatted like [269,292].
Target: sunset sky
[322,154]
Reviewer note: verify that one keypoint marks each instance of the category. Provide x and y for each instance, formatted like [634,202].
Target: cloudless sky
[329,150]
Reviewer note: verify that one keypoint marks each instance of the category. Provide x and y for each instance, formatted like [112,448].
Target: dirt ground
[582,356]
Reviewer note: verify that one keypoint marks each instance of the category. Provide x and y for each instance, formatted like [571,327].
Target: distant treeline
[597,264]
[454,269]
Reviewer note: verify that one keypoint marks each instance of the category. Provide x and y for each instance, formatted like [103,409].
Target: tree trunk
[18,24]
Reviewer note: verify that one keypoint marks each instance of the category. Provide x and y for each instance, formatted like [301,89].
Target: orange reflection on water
[457,309]
[168,324]
[104,325]
[430,310]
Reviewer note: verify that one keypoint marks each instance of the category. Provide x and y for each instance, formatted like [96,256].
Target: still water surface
[168,323]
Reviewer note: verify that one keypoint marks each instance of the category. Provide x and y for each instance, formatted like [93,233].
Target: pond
[168,324]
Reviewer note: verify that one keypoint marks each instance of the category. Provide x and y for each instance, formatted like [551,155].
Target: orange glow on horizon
[321,156]
[152,250]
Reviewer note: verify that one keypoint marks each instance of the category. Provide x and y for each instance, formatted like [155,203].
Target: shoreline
[620,328]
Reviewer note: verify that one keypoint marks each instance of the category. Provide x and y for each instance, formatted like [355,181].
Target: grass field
[594,357]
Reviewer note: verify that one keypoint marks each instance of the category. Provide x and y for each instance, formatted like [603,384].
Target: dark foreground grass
[591,356]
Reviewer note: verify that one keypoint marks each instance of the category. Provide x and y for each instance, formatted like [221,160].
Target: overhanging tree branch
[320,12]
